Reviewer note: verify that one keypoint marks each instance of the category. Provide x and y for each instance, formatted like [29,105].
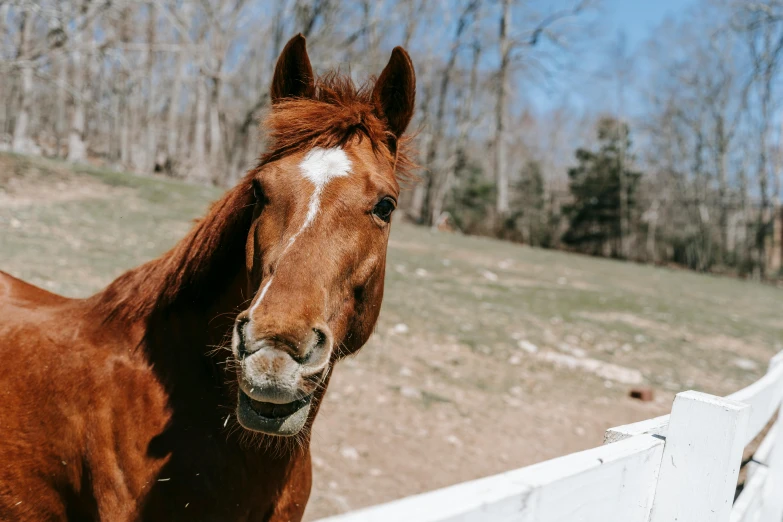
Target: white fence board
[773,487]
[764,397]
[763,452]
[612,483]
[701,460]
[750,503]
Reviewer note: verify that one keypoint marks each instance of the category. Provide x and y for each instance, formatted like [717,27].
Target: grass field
[488,356]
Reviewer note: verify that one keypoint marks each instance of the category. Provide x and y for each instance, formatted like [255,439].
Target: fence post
[701,459]
[773,486]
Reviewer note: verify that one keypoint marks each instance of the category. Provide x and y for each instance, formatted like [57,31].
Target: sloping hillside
[487,356]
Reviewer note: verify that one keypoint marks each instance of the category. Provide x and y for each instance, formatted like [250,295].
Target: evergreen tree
[470,200]
[527,221]
[595,185]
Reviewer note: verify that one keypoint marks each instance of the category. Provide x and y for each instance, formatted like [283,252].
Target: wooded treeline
[669,152]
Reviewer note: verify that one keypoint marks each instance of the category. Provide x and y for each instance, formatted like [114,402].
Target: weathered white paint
[701,460]
[761,499]
[773,487]
[750,503]
[657,426]
[611,483]
[319,167]
[764,451]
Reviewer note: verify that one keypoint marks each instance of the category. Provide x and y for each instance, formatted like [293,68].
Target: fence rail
[678,467]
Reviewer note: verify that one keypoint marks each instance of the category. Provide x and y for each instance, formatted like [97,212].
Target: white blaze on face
[319,166]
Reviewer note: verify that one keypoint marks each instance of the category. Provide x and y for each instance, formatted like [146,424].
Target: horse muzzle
[277,378]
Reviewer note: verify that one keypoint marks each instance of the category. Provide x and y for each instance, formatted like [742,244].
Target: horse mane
[339,112]
[197,268]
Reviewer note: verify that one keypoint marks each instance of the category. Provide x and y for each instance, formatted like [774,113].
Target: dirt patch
[25,184]
[601,369]
[34,192]
[632,320]
[736,347]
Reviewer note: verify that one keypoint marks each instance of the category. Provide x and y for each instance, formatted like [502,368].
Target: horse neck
[183,303]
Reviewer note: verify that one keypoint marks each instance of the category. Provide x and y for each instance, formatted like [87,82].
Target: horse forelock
[339,112]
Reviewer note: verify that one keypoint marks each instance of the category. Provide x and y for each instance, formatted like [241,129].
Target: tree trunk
[61,107]
[622,134]
[763,213]
[723,190]
[435,145]
[704,247]
[623,182]
[20,139]
[465,121]
[199,169]
[115,130]
[172,127]
[77,149]
[417,197]
[215,137]
[501,174]
[652,230]
[151,145]
[125,125]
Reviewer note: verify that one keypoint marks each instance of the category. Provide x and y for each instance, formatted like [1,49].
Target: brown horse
[118,407]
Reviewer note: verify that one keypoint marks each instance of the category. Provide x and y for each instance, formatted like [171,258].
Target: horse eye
[258,191]
[383,209]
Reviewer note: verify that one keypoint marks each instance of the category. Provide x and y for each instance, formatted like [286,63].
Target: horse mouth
[274,419]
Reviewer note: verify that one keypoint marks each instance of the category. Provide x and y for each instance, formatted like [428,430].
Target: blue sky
[639,17]
[636,20]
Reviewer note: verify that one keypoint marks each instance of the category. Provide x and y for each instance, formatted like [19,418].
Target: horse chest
[207,475]
[172,467]
[180,461]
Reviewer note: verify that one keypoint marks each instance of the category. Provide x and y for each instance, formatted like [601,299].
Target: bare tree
[20,140]
[501,173]
[151,122]
[762,25]
[77,147]
[508,44]
[433,180]
[175,99]
[623,71]
[458,154]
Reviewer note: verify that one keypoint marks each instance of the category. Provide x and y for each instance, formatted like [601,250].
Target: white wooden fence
[680,467]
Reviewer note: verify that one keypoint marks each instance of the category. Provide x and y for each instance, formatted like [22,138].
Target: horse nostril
[320,338]
[318,344]
[242,345]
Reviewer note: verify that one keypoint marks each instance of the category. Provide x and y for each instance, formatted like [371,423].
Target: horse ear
[293,76]
[395,92]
